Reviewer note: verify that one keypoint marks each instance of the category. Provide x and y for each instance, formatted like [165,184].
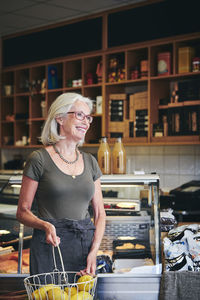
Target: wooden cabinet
[148,74]
[172,98]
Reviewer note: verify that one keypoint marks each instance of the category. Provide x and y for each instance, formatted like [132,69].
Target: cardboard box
[185,55]
[138,101]
[117,115]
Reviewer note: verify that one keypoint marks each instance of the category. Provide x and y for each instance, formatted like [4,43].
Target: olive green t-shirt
[59,195]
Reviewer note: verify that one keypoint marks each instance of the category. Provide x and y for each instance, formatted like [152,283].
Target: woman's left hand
[91,265]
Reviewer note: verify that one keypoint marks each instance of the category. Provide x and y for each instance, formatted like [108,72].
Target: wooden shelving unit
[24,108]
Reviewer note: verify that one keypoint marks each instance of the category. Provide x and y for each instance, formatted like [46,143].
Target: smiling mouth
[81,129]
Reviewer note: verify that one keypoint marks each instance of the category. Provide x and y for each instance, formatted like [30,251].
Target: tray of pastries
[131,248]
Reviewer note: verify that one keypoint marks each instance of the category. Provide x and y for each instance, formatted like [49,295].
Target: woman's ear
[59,120]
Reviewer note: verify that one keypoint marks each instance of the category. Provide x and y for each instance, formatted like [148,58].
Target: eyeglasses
[79,115]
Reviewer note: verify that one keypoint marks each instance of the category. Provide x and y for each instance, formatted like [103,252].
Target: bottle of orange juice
[104,156]
[119,157]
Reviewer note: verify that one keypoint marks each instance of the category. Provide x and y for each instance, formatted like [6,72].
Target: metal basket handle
[54,259]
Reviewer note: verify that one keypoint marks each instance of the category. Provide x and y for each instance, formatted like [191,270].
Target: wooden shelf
[180,104]
[176,140]
[56,90]
[37,119]
[26,100]
[92,85]
[73,88]
[176,76]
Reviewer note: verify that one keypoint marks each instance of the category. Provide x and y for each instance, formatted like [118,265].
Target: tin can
[196,64]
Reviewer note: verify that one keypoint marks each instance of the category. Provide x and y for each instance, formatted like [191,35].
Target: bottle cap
[104,139]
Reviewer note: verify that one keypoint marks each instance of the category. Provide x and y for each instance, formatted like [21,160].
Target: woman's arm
[99,222]
[26,217]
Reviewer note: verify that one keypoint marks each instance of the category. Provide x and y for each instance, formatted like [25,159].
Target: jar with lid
[119,157]
[196,64]
[104,156]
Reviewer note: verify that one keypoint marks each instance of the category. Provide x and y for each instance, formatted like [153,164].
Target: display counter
[131,239]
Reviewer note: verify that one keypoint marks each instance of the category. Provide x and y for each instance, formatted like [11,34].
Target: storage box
[138,101]
[164,63]
[117,125]
[185,55]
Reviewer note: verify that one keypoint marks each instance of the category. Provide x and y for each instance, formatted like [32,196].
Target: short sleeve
[95,168]
[34,166]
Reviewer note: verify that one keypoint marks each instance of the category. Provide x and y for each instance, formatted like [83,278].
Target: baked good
[127,246]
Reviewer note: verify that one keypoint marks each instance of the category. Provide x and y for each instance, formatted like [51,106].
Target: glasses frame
[89,118]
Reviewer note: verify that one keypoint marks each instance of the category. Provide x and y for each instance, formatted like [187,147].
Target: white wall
[174,164]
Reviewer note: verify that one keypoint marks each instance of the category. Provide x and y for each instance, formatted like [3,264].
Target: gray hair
[59,108]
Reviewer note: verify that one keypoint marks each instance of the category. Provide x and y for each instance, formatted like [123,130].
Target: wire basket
[59,285]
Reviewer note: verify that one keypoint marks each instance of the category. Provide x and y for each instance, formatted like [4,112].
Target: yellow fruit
[57,294]
[82,285]
[82,296]
[71,290]
[39,294]
[48,287]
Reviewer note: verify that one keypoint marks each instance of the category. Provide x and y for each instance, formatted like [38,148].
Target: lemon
[82,285]
[39,294]
[71,290]
[82,296]
[57,294]
[48,286]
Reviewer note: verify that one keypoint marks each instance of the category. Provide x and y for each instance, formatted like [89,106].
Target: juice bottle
[119,157]
[104,156]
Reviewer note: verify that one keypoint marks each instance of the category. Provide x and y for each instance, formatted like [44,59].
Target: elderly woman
[63,180]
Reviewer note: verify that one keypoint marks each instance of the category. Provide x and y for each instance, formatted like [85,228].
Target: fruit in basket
[39,294]
[47,287]
[82,285]
[57,293]
[82,296]
[71,290]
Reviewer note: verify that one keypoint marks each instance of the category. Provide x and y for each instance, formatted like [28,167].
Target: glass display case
[132,237]
[14,237]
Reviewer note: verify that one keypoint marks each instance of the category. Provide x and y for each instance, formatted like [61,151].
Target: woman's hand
[51,237]
[91,265]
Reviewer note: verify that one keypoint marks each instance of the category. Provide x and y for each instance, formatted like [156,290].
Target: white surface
[156,269]
[129,178]
[136,266]
[128,263]
[8,208]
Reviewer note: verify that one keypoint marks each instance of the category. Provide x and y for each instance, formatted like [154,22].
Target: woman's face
[73,128]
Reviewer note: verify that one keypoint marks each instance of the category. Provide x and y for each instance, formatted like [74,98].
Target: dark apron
[75,242]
